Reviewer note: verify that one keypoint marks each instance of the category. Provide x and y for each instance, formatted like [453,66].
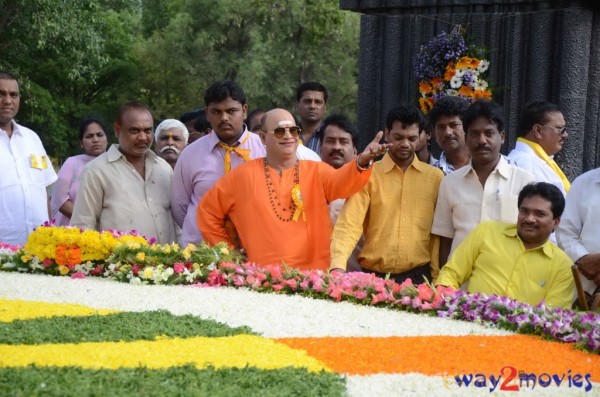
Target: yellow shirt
[494,261]
[395,212]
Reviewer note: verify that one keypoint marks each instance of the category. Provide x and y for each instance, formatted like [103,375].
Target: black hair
[85,123]
[252,114]
[191,115]
[223,89]
[548,192]
[407,115]
[311,86]
[342,122]
[4,75]
[201,124]
[535,113]
[484,108]
[448,106]
[131,105]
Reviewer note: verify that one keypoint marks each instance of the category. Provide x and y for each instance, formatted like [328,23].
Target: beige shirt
[113,195]
[463,203]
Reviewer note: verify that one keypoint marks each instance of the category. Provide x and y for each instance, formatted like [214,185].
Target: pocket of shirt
[509,209]
[533,291]
[37,176]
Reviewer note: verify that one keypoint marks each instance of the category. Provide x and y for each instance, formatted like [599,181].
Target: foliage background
[77,59]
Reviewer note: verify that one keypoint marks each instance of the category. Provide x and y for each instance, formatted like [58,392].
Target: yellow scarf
[544,156]
[243,153]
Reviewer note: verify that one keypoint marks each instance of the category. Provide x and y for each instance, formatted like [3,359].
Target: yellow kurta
[494,261]
[395,212]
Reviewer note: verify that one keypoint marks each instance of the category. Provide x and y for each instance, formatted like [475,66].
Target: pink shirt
[66,186]
[198,168]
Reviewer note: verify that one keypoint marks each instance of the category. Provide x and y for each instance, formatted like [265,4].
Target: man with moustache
[278,204]
[127,187]
[394,209]
[542,134]
[26,170]
[171,137]
[337,148]
[517,261]
[311,105]
[203,162]
[486,188]
[446,119]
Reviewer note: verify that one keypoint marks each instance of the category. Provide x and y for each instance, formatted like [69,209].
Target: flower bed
[366,328]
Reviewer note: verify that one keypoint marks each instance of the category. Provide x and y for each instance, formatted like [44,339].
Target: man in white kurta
[26,170]
[542,133]
[578,233]
[484,190]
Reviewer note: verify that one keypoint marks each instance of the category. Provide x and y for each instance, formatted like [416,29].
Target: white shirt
[26,171]
[304,153]
[463,203]
[524,156]
[578,232]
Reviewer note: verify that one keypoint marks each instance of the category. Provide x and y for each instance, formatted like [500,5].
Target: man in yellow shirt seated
[394,209]
[517,261]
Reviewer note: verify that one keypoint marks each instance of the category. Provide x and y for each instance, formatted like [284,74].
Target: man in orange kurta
[273,226]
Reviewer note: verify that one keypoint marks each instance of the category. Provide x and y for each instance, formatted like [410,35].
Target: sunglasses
[279,132]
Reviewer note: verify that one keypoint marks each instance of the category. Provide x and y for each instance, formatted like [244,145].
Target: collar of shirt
[114,154]
[389,164]
[502,168]
[15,128]
[511,231]
[214,140]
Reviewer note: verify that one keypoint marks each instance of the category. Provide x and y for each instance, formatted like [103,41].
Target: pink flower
[97,270]
[293,284]
[135,269]
[335,292]
[406,283]
[78,275]
[426,306]
[47,262]
[179,267]
[278,287]
[216,278]
[425,292]
[406,300]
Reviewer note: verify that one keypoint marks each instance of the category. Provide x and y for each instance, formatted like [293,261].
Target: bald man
[278,204]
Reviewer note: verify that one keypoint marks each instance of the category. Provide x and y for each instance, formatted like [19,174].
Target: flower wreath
[447,65]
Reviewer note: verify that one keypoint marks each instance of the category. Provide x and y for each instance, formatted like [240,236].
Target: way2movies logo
[509,379]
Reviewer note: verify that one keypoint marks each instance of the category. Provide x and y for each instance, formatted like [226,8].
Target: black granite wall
[538,50]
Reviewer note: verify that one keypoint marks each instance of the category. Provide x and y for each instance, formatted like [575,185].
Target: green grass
[172,382]
[113,327]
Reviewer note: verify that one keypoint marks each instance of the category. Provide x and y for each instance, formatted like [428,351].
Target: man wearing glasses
[278,204]
[542,134]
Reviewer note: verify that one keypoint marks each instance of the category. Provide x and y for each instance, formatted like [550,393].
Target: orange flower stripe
[450,71]
[467,62]
[446,355]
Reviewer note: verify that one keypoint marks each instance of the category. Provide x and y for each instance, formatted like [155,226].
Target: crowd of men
[299,193]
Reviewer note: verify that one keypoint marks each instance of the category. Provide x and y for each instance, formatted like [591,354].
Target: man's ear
[386,134]
[261,134]
[556,222]
[502,136]
[117,129]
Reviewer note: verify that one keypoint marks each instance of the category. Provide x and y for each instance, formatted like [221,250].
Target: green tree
[269,47]
[70,64]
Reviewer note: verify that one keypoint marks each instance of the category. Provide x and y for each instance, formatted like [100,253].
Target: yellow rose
[224,251]
[148,272]
[140,256]
[63,269]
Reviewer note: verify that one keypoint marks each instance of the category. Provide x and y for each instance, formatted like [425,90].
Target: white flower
[483,65]
[451,92]
[480,85]
[455,82]
[460,72]
[135,281]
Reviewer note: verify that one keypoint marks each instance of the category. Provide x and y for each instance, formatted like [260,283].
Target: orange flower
[482,94]
[437,83]
[425,87]
[465,90]
[464,63]
[68,255]
[450,71]
[474,62]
